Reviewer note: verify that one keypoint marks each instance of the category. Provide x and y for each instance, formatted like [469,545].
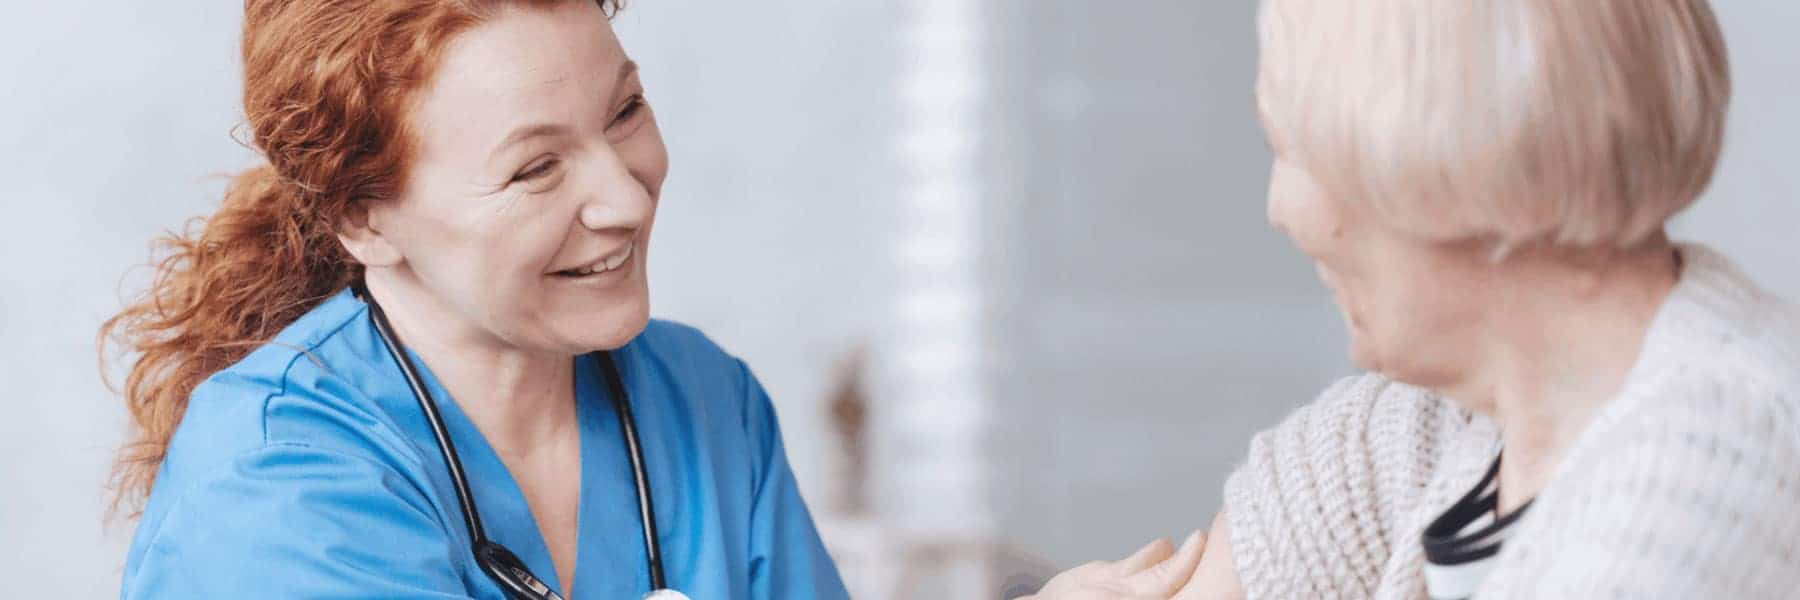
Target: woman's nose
[618,199]
[603,214]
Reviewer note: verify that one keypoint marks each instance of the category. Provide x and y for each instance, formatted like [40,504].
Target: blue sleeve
[787,558]
[294,521]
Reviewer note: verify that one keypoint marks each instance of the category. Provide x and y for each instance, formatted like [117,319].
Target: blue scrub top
[308,471]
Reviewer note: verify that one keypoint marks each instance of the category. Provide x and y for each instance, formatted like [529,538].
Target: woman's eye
[631,109]
[537,171]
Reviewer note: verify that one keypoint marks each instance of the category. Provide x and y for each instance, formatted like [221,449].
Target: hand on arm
[1152,573]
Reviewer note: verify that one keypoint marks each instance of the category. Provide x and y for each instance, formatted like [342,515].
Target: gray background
[1145,319]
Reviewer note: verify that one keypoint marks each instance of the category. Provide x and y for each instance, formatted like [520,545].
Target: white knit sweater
[1686,485]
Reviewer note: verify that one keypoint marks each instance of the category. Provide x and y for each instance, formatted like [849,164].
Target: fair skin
[1153,572]
[538,167]
[1201,570]
[1539,340]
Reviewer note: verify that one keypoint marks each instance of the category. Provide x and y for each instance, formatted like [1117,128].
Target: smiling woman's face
[528,208]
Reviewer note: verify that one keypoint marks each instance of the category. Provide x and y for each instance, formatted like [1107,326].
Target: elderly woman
[411,356]
[1561,402]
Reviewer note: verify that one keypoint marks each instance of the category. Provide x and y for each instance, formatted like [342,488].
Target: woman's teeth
[605,264]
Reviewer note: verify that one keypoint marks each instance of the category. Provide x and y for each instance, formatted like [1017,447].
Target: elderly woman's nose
[1278,212]
[1275,216]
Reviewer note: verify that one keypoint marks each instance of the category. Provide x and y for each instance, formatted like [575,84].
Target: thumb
[1162,579]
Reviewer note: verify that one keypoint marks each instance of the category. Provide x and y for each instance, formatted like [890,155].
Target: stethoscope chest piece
[665,594]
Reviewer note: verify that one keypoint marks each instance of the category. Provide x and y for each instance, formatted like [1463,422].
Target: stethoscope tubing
[447,449]
[646,507]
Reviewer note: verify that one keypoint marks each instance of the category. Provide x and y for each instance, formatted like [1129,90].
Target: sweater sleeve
[1312,507]
[1692,499]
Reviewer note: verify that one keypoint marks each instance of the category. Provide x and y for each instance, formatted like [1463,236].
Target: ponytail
[254,267]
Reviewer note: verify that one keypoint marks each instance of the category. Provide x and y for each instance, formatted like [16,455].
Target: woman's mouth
[606,264]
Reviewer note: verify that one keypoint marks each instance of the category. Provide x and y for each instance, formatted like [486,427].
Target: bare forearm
[1216,577]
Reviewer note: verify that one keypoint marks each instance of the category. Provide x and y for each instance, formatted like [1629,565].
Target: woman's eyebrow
[526,132]
[625,71]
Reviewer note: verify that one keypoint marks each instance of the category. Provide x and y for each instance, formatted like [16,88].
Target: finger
[1152,553]
[1168,575]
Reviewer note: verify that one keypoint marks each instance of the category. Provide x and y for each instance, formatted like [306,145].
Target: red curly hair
[326,87]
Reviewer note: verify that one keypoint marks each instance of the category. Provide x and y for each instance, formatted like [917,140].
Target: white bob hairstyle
[1573,122]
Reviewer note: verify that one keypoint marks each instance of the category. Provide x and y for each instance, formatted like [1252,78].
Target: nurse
[474,183]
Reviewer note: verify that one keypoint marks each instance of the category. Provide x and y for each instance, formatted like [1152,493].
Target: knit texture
[1685,485]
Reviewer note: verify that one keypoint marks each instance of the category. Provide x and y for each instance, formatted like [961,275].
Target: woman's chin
[606,329]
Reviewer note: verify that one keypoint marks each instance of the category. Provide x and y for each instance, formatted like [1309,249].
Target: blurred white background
[1042,218]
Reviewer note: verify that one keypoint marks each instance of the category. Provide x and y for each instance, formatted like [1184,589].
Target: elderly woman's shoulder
[1744,380]
[1761,358]
[1719,327]
[1726,379]
[1695,459]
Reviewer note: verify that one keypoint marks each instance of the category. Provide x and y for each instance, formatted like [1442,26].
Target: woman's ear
[361,235]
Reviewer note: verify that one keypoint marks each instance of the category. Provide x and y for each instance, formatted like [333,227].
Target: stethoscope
[501,564]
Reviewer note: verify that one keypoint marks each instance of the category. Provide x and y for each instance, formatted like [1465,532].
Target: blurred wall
[116,119]
[771,233]
[1752,212]
[1154,320]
